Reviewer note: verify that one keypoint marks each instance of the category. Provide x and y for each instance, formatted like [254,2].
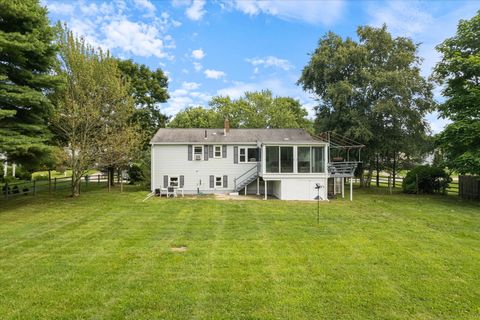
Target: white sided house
[289,164]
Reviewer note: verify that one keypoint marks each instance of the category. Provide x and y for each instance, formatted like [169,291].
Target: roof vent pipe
[226,126]
[205,135]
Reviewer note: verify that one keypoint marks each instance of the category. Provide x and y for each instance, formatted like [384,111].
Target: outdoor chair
[164,191]
[180,190]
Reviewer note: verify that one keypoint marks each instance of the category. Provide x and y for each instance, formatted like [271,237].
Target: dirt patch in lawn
[178,249]
[223,196]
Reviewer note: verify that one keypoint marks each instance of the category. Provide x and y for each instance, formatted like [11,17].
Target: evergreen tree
[27,57]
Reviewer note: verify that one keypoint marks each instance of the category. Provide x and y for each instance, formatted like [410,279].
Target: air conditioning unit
[198,157]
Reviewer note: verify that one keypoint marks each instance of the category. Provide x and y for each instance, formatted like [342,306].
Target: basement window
[173,182]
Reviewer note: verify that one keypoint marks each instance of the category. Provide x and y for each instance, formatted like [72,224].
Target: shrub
[8,179]
[136,174]
[41,177]
[23,174]
[430,180]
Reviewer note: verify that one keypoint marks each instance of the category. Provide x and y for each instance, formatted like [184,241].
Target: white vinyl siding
[172,160]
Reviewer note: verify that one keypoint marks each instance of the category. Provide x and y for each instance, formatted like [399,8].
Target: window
[217,153]
[197,152]
[242,155]
[272,159]
[252,154]
[248,155]
[318,163]
[303,156]
[218,182]
[173,182]
[286,159]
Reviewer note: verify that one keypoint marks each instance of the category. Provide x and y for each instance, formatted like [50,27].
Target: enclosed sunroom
[295,171]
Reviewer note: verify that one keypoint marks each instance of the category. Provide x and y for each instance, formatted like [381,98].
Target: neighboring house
[285,163]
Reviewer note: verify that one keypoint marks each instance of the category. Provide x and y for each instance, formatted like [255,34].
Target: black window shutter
[210,151]
[225,181]
[205,152]
[259,154]
[190,152]
[182,180]
[224,151]
[212,182]
[165,181]
[235,154]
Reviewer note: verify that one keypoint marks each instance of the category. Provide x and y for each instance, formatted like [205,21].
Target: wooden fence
[25,188]
[469,187]
[387,182]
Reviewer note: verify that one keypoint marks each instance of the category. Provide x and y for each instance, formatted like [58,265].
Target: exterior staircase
[246,178]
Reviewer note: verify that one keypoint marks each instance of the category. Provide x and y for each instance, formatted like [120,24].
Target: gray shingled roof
[170,135]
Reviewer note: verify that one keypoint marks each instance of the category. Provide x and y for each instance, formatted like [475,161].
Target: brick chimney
[226,126]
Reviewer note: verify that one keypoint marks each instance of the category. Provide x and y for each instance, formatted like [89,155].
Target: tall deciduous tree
[148,89]
[370,91]
[27,57]
[94,103]
[459,72]
[196,117]
[261,109]
[119,147]
[254,110]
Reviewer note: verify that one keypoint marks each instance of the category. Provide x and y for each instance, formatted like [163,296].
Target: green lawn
[108,256]
[56,174]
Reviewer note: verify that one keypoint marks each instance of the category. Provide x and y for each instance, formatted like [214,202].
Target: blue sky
[229,47]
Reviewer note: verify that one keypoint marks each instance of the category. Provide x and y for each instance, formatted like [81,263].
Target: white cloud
[197,66]
[214,74]
[419,21]
[238,89]
[185,97]
[402,18]
[135,37]
[176,23]
[271,61]
[309,11]
[190,85]
[279,87]
[145,4]
[437,124]
[110,25]
[59,7]
[181,3]
[198,54]
[196,11]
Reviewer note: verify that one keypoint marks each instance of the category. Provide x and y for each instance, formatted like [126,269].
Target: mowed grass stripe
[107,256]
